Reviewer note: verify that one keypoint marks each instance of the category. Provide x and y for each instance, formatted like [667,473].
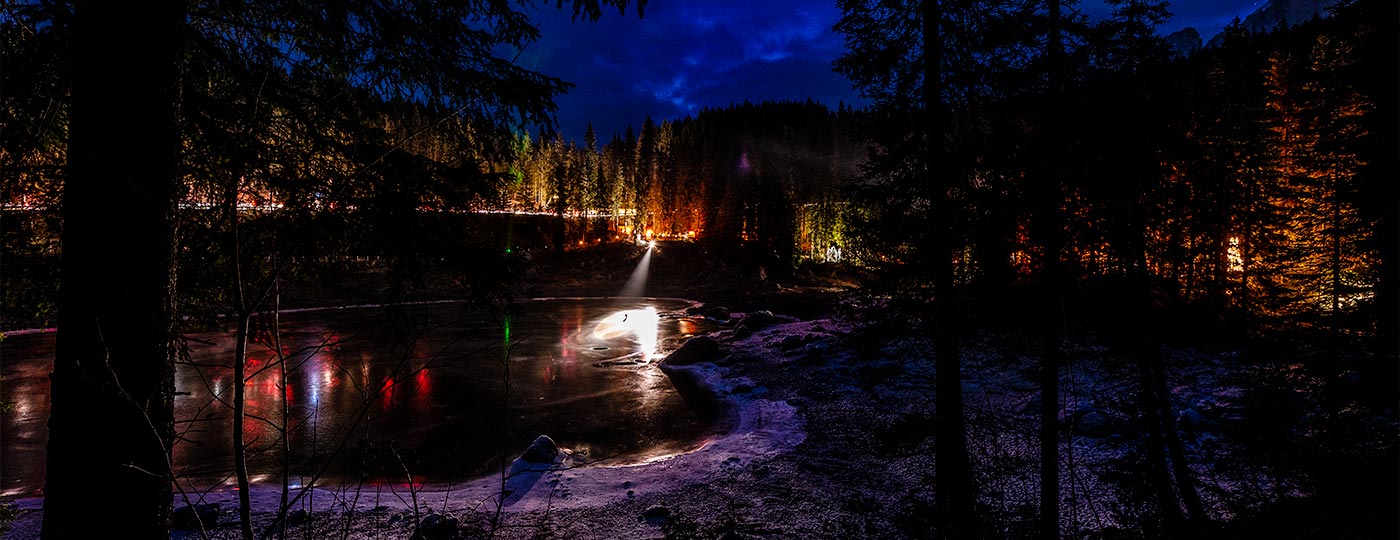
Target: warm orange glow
[1234,255]
[649,234]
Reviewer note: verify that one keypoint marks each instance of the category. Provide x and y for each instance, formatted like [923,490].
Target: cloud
[689,55]
[686,56]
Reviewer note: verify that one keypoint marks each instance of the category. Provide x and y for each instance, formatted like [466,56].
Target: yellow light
[1234,254]
[639,324]
[648,233]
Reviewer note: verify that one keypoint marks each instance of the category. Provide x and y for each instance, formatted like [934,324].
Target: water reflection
[581,370]
[641,324]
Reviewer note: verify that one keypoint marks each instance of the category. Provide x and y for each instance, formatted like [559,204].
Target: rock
[657,514]
[742,332]
[718,313]
[759,320]
[543,450]
[1193,420]
[189,518]
[1094,424]
[741,389]
[697,349]
[436,527]
[812,358]
[791,342]
[1071,413]
[297,517]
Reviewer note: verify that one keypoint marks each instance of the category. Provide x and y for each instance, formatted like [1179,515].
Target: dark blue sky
[686,55]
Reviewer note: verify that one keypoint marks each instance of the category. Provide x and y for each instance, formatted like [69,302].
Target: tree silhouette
[299,71]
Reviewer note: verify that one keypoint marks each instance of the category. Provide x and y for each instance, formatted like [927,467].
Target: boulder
[436,527]
[189,517]
[1193,420]
[718,313]
[297,517]
[1094,424]
[695,350]
[812,358]
[1070,413]
[657,514]
[758,320]
[543,450]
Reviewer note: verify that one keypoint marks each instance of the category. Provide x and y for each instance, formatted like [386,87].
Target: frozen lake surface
[384,394]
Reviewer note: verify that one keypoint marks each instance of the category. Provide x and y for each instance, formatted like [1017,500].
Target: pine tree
[1338,112]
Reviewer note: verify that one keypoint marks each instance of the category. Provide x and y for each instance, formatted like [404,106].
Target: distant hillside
[1268,16]
[1184,41]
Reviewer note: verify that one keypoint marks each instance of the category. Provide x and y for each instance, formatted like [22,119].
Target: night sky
[688,55]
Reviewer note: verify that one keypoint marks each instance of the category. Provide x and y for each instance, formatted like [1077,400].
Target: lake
[431,392]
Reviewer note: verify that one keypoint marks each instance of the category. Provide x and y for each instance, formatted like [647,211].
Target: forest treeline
[1260,170]
[1260,175]
[768,175]
[1262,167]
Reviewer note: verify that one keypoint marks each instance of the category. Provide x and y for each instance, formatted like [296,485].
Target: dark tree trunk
[1146,352]
[1158,476]
[1051,232]
[955,496]
[1246,263]
[1172,479]
[1053,358]
[240,356]
[240,447]
[111,425]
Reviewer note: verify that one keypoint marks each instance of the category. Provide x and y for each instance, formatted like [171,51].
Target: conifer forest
[607,269]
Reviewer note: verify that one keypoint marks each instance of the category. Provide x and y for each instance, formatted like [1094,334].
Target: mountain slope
[1271,14]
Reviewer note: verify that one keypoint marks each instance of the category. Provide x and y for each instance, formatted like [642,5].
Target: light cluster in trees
[768,173]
